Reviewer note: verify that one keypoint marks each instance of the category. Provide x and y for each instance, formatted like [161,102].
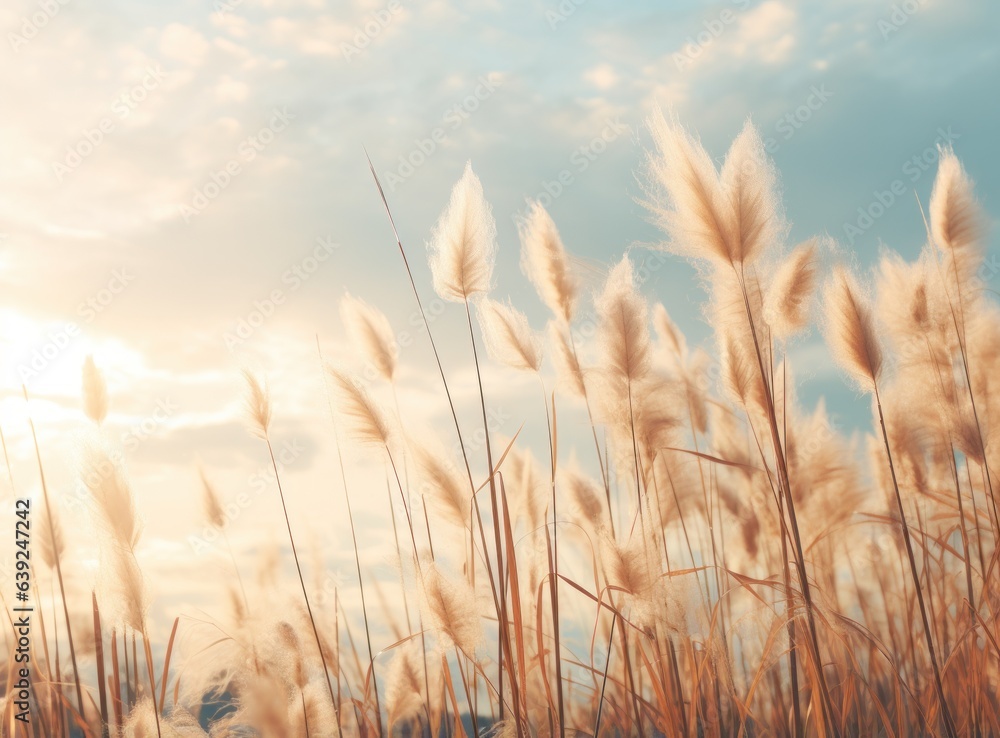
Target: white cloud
[183,44]
[603,76]
[231,90]
[765,33]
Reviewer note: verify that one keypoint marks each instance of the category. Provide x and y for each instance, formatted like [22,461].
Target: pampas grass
[447,491]
[722,560]
[508,337]
[545,262]
[851,329]
[112,496]
[956,223]
[257,402]
[95,392]
[450,609]
[748,179]
[686,197]
[372,334]
[786,302]
[463,247]
[624,328]
[364,420]
[567,363]
[51,539]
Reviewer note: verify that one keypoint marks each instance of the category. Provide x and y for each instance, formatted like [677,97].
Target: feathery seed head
[257,401]
[508,336]
[850,329]
[366,423]
[727,218]
[214,513]
[51,540]
[463,245]
[448,492]
[95,391]
[669,334]
[956,223]
[546,264]
[623,329]
[567,363]
[749,180]
[371,333]
[450,609]
[109,488]
[786,301]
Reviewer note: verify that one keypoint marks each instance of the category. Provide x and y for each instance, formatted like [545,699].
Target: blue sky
[121,120]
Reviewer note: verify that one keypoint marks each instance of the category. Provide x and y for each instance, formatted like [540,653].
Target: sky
[184,192]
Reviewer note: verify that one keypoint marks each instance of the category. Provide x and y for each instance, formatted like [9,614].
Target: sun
[46,355]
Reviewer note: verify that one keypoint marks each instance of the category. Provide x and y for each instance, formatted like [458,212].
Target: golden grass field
[718,560]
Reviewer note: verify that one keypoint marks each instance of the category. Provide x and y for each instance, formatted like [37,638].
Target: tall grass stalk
[57,558]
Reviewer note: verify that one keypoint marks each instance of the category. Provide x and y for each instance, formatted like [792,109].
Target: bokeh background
[184,192]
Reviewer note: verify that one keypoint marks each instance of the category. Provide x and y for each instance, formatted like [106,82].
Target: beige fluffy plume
[741,377]
[749,180]
[105,479]
[214,513]
[463,245]
[546,264]
[508,337]
[956,225]
[786,301]
[726,218]
[257,402]
[95,392]
[567,363]
[587,496]
[669,334]
[624,329]
[404,688]
[371,333]
[687,199]
[905,303]
[365,421]
[445,488]
[51,541]
[450,609]
[956,222]
[850,329]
